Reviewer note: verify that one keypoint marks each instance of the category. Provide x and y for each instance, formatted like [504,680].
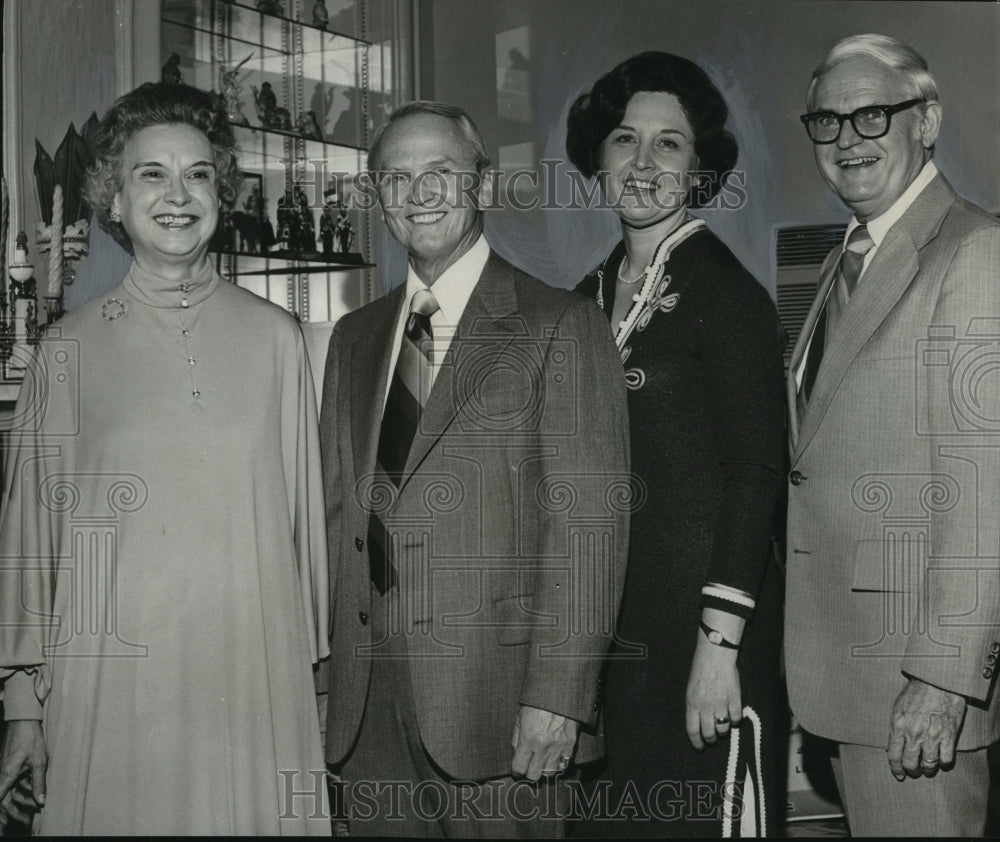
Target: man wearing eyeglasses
[893,603]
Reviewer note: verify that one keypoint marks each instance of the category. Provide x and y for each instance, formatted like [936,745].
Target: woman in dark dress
[692,698]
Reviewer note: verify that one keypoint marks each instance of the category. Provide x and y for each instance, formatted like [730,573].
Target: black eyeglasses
[870,121]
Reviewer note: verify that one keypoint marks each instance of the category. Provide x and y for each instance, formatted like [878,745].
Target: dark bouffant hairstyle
[158,104]
[594,115]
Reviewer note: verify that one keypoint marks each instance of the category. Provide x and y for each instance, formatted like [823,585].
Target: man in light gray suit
[475,454]
[893,592]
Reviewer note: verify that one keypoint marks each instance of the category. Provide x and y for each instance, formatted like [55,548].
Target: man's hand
[540,739]
[22,770]
[924,729]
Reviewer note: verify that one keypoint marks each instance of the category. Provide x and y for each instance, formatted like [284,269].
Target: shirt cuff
[728,599]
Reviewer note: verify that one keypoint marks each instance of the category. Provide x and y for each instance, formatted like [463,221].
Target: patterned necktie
[408,393]
[852,261]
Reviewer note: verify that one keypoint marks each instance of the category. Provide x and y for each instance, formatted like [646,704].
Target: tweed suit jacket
[510,521]
[894,494]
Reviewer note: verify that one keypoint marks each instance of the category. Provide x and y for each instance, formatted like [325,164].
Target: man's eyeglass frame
[887,110]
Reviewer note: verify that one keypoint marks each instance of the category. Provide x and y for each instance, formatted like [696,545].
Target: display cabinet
[305,85]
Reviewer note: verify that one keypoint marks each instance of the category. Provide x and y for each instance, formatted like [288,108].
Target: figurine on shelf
[252,203]
[345,231]
[308,127]
[306,225]
[331,196]
[270,114]
[321,17]
[327,226]
[172,69]
[288,228]
[224,239]
[249,223]
[265,228]
[270,7]
[230,88]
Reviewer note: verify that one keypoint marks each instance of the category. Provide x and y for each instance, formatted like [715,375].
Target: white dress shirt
[452,291]
[877,230]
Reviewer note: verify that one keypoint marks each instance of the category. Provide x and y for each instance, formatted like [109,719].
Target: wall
[66,61]
[760,52]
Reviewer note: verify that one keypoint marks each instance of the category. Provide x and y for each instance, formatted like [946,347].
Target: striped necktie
[408,392]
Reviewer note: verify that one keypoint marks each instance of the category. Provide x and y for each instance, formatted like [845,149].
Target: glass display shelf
[297,95]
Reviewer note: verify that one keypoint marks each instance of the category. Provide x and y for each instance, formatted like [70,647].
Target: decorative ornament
[114,308]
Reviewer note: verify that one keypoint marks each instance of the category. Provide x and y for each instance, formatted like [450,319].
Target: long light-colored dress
[163,560]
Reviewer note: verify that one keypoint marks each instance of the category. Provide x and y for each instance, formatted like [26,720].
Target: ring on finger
[722,720]
[564,762]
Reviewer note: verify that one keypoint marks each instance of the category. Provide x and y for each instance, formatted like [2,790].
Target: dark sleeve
[588,287]
[581,549]
[744,370]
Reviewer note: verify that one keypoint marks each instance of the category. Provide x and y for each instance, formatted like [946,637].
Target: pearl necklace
[636,279]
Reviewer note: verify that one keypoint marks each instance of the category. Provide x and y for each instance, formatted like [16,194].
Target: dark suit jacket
[894,504]
[511,516]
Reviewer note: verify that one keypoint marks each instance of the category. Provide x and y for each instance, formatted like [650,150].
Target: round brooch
[114,308]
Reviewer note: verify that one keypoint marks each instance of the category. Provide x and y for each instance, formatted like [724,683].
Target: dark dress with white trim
[702,361]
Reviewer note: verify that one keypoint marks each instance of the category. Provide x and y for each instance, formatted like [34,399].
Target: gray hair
[886,50]
[457,115]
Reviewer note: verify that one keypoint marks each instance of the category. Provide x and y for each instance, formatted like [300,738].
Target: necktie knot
[423,305]
[852,261]
[860,241]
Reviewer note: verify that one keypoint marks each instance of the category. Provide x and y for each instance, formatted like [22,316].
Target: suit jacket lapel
[827,277]
[492,301]
[369,373]
[891,271]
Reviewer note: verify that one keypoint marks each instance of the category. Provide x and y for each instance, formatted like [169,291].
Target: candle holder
[75,247]
[22,330]
[65,214]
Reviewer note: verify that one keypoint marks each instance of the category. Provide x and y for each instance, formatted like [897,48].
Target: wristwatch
[715,637]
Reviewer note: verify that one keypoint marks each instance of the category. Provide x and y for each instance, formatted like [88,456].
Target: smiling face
[169,199]
[429,192]
[871,174]
[646,162]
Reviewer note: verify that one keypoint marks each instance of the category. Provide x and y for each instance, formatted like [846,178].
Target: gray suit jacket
[511,517]
[894,500]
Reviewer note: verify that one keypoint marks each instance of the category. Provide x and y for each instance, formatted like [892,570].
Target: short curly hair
[595,115]
[158,104]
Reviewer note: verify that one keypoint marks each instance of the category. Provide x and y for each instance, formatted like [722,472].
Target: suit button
[987,672]
[991,660]
[995,648]
[796,478]
[363,618]
[359,545]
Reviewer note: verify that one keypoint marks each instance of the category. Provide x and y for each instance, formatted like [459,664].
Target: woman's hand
[23,761]
[714,701]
